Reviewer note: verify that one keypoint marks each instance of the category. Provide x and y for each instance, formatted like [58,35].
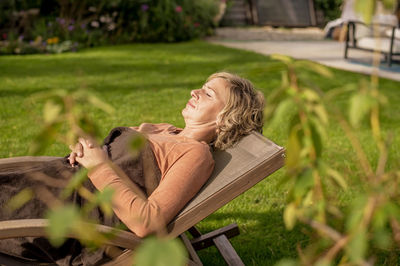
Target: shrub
[90,23]
[331,9]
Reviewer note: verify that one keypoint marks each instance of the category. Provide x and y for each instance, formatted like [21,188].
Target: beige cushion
[388,19]
[362,31]
[388,33]
[381,44]
[383,23]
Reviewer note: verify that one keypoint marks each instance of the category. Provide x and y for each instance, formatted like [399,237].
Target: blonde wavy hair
[242,113]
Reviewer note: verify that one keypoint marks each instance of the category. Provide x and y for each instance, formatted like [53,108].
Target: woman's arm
[144,216]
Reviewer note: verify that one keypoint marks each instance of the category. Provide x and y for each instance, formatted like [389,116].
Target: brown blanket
[47,173]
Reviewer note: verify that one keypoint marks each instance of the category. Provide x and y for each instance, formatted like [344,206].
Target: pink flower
[178,9]
[61,21]
[144,7]
[196,24]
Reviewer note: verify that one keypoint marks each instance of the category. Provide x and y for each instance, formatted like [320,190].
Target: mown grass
[152,83]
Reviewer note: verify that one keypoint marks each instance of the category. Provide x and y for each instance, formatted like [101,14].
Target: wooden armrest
[37,227]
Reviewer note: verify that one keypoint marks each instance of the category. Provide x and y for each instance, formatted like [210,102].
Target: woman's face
[206,103]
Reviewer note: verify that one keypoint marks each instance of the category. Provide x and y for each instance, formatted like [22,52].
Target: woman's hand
[90,155]
[77,151]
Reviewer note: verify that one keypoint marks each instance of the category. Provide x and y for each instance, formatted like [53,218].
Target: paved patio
[302,44]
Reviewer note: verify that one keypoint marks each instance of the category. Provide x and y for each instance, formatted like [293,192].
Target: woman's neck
[202,133]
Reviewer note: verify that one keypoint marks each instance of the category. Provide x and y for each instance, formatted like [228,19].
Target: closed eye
[208,91]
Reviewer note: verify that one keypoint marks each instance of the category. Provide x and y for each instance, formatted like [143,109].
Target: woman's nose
[194,94]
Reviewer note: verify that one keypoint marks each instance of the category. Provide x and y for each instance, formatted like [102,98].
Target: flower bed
[55,27]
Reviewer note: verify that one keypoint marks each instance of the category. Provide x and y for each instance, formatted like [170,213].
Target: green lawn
[152,83]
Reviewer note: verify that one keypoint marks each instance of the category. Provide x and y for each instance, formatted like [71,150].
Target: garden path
[305,43]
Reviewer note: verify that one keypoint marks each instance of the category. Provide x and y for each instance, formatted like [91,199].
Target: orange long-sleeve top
[185,165]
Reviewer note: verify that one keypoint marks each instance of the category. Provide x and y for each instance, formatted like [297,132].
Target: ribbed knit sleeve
[192,167]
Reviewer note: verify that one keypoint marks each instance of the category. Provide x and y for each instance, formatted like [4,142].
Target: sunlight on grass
[152,83]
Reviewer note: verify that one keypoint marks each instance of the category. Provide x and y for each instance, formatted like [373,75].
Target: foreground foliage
[369,227]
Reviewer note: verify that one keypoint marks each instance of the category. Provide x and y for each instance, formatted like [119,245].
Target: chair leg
[206,240]
[219,238]
[346,50]
[227,251]
[347,40]
[193,257]
[194,231]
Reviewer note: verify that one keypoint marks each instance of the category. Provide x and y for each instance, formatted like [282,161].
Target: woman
[226,108]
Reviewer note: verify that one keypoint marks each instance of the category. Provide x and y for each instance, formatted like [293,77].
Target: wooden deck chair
[236,170]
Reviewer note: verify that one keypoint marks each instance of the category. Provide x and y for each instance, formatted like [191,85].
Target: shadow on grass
[109,85]
[263,238]
[133,58]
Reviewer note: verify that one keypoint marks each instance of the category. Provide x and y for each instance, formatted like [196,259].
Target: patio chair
[236,170]
[362,37]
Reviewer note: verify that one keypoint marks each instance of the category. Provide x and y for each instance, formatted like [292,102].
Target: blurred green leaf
[321,113]
[310,95]
[104,196]
[392,209]
[382,238]
[389,4]
[316,139]
[285,79]
[319,127]
[337,177]
[49,94]
[290,216]
[360,105]
[75,182]
[304,182]
[274,99]
[61,221]
[293,149]
[356,211]
[330,95]
[95,101]
[104,200]
[51,111]
[317,68]
[137,142]
[357,247]
[283,58]
[160,252]
[88,234]
[291,91]
[18,200]
[284,109]
[379,219]
[366,8]
[308,200]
